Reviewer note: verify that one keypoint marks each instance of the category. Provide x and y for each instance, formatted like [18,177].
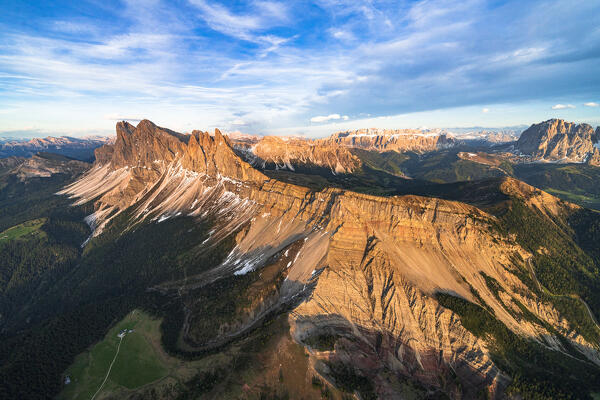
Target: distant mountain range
[78,148]
[41,165]
[334,153]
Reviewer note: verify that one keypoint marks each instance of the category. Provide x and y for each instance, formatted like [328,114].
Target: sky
[295,67]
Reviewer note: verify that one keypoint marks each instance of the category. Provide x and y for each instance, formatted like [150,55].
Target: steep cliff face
[558,140]
[365,269]
[273,152]
[399,140]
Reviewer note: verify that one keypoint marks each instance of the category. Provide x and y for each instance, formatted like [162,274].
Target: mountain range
[79,148]
[383,277]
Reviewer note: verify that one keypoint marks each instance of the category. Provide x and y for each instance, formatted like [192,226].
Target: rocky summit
[556,140]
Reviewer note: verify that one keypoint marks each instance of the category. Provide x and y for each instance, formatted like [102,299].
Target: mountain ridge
[80,148]
[400,140]
[401,250]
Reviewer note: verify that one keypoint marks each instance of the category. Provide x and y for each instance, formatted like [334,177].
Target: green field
[136,365]
[577,183]
[24,230]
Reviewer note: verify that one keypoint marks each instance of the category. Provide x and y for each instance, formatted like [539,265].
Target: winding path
[535,279]
[109,368]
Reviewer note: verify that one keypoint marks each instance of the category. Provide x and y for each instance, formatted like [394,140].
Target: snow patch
[163,218]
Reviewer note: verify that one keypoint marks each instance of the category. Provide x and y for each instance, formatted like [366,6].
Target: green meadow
[25,230]
[137,364]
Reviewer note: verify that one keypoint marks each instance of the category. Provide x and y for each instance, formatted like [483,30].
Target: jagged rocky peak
[560,140]
[152,147]
[142,145]
[215,155]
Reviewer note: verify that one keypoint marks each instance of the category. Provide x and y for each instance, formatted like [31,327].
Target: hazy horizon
[20,135]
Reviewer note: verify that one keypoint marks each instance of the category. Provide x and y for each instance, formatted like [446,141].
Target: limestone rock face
[294,153]
[363,267]
[151,147]
[400,140]
[558,140]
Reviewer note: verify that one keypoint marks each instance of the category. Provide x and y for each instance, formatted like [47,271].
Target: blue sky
[305,67]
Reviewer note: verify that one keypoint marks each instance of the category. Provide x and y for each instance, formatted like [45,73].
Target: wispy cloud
[562,106]
[591,104]
[246,26]
[278,65]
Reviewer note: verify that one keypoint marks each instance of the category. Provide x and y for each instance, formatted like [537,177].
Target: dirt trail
[109,368]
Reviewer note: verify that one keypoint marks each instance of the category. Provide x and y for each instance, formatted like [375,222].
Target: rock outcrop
[400,140]
[556,140]
[365,267]
[272,152]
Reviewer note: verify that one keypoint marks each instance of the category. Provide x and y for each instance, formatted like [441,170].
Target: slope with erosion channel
[364,269]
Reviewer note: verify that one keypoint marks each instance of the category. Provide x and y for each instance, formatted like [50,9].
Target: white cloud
[342,34]
[562,106]
[237,122]
[345,118]
[591,104]
[325,118]
[485,110]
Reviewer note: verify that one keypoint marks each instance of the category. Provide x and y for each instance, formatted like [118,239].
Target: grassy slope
[267,363]
[577,183]
[24,230]
[137,364]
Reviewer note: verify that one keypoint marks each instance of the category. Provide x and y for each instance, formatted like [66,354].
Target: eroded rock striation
[364,268]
